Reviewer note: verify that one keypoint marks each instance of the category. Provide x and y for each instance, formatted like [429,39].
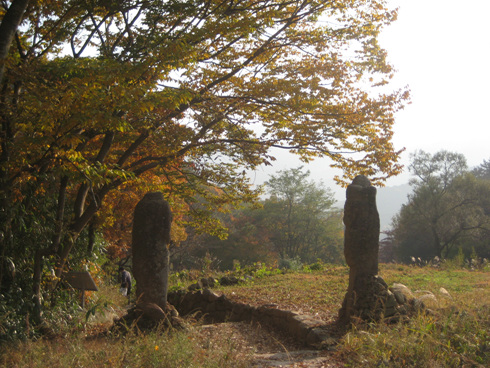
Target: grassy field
[455,334]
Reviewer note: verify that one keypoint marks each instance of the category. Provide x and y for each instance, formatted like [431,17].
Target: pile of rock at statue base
[386,304]
[147,317]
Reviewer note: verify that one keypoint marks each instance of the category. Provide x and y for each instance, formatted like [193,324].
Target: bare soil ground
[305,295]
[269,347]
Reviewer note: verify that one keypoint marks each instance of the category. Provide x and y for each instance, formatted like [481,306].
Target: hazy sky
[441,49]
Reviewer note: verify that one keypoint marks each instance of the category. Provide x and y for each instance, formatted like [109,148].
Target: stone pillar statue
[361,246]
[361,220]
[151,238]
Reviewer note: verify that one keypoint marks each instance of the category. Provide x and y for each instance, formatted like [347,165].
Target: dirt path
[267,347]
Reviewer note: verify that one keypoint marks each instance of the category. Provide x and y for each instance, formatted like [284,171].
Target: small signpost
[81,280]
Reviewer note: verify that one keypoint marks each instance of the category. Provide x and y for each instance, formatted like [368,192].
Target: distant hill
[389,201]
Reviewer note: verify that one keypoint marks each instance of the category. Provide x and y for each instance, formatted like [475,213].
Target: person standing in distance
[126,281]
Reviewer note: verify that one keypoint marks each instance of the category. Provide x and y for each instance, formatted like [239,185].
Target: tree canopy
[97,96]
[447,210]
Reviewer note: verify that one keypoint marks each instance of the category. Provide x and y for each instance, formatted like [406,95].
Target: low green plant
[236,266]
[317,266]
[267,271]
[14,315]
[258,270]
[455,263]
[290,264]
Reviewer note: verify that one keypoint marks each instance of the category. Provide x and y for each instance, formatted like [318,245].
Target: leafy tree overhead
[446,211]
[95,94]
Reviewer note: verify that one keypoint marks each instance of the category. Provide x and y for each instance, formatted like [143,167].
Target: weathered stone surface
[368,296]
[150,239]
[428,298]
[146,316]
[229,280]
[209,295]
[241,312]
[400,297]
[417,305]
[361,219]
[390,300]
[320,338]
[402,289]
[445,293]
[152,310]
[367,292]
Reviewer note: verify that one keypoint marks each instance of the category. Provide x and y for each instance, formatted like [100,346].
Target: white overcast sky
[441,49]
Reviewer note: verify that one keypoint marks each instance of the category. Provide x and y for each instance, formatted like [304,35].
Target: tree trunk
[41,253]
[437,243]
[91,238]
[79,224]
[10,23]
[8,27]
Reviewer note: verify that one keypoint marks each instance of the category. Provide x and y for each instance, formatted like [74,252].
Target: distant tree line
[448,211]
[296,220]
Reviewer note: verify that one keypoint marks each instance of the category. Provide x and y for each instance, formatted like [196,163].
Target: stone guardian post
[367,292]
[150,241]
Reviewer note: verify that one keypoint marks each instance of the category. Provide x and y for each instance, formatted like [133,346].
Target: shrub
[292,264]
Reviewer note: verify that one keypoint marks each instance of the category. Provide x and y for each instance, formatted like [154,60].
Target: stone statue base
[147,317]
[369,299]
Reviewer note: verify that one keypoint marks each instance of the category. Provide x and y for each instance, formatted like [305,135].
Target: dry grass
[456,334]
[188,348]
[315,293]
